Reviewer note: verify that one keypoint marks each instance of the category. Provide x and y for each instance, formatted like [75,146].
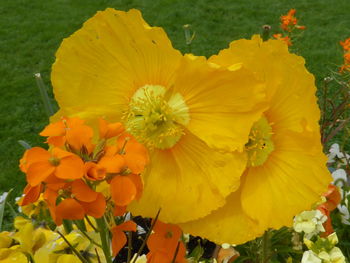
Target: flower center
[54,161]
[260,143]
[156,117]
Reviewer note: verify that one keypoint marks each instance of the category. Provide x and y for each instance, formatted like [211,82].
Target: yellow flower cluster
[38,244]
[234,140]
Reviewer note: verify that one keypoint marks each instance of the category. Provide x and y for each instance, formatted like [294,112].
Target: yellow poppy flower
[181,107]
[286,171]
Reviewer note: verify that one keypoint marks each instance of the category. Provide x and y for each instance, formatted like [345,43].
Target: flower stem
[265,247]
[104,234]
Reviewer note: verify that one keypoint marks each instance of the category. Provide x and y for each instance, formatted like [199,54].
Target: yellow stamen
[156,117]
[260,143]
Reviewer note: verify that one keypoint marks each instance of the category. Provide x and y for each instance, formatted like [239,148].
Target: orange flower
[345,44]
[94,171]
[328,224]
[112,161]
[134,153]
[289,20]
[77,200]
[164,242]
[286,39]
[71,131]
[333,199]
[126,188]
[109,130]
[118,236]
[40,164]
[31,194]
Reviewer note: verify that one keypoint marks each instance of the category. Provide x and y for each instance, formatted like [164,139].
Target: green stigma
[156,117]
[260,143]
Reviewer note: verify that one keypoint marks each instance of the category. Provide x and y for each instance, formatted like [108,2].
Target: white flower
[334,256]
[309,222]
[310,257]
[3,197]
[334,151]
[344,213]
[339,177]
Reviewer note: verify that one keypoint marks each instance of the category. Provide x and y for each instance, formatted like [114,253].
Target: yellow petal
[289,182]
[188,181]
[104,62]
[223,104]
[228,224]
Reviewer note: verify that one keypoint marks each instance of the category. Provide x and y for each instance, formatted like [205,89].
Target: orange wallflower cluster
[70,171]
[165,243]
[333,199]
[288,24]
[285,39]
[346,48]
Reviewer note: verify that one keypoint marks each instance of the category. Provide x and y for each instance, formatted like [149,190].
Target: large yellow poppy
[286,171]
[182,108]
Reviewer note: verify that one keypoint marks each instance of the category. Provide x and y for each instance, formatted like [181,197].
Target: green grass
[31,32]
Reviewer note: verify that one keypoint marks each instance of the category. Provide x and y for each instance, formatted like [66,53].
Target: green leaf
[2,206]
[44,96]
[24,144]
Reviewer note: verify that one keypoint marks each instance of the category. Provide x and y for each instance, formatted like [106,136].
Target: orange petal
[83,192]
[60,154]
[137,180]
[71,167]
[164,238]
[36,154]
[109,130]
[333,197]
[119,210]
[57,141]
[111,150]
[37,172]
[96,208]
[54,183]
[31,194]
[127,226]
[54,129]
[94,171]
[118,240]
[79,136]
[112,164]
[70,209]
[136,155]
[123,190]
[23,165]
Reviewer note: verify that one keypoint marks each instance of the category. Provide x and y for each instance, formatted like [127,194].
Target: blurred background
[31,32]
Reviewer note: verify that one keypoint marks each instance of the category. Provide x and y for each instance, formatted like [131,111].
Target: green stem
[266,244]
[73,248]
[104,234]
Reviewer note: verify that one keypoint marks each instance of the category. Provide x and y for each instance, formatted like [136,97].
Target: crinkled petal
[106,61]
[190,174]
[229,224]
[223,103]
[289,182]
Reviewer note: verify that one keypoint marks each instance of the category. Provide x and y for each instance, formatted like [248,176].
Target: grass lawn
[31,32]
